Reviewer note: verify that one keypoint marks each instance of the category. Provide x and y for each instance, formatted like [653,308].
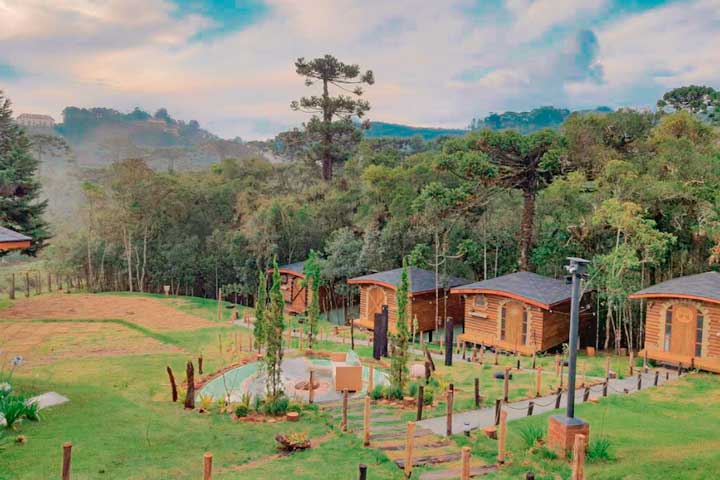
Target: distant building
[35,120]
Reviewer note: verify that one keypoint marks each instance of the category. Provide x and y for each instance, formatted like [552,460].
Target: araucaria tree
[399,340]
[260,309]
[274,326]
[312,282]
[330,135]
[20,209]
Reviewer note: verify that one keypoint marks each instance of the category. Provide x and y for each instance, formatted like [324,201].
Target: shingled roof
[537,289]
[7,235]
[297,267]
[420,280]
[702,286]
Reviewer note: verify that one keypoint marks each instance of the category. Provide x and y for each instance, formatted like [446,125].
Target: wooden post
[477,392]
[190,395]
[558,399]
[498,406]
[172,384]
[607,367]
[27,284]
[67,458]
[465,472]
[409,444]
[473,356]
[344,424]
[496,356]
[207,467]
[482,354]
[562,368]
[586,394]
[639,384]
[557,364]
[578,460]
[531,407]
[200,364]
[311,386]
[363,472]
[448,429]
[420,402]
[49,282]
[506,384]
[371,378]
[584,373]
[533,364]
[605,388]
[632,363]
[645,361]
[657,377]
[12,286]
[366,422]
[538,381]
[502,430]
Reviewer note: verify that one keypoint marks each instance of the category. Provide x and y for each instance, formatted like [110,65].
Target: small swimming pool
[250,379]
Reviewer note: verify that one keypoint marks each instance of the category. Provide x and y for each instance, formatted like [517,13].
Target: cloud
[436,63]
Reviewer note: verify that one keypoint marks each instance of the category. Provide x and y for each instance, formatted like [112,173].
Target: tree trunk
[526,228]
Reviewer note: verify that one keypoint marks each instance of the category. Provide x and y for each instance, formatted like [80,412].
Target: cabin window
[502,322]
[699,335]
[480,301]
[525,326]
[668,328]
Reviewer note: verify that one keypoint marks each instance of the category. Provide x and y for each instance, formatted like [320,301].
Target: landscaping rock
[48,399]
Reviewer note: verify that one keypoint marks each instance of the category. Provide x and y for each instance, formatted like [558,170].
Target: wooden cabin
[521,312]
[297,296]
[12,240]
[682,321]
[380,289]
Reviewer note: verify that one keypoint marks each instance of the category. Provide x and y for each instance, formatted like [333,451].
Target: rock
[48,399]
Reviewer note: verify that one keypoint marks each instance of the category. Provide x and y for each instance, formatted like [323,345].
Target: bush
[428,396]
[546,453]
[13,408]
[412,389]
[241,411]
[377,392]
[311,407]
[532,434]
[32,412]
[205,402]
[294,407]
[276,406]
[257,404]
[598,450]
[393,393]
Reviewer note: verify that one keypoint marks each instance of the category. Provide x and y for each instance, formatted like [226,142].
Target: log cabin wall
[296,296]
[423,306]
[378,294]
[655,324]
[482,319]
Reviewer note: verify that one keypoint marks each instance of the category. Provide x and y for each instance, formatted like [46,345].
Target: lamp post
[577,270]
[562,429]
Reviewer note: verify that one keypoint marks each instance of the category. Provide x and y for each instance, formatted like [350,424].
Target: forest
[636,192]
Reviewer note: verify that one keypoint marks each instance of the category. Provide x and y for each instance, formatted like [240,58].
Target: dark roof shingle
[420,280]
[544,290]
[297,267]
[704,285]
[7,235]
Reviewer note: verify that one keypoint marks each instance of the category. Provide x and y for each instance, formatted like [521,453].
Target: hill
[383,129]
[530,121]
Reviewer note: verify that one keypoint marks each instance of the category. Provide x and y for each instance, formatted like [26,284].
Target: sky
[229,63]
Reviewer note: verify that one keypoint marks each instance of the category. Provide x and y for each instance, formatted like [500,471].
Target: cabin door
[514,314]
[376,300]
[683,329]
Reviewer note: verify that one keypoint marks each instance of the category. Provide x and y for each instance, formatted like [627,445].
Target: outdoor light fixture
[466,428]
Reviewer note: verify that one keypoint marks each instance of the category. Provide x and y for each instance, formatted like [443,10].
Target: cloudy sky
[229,64]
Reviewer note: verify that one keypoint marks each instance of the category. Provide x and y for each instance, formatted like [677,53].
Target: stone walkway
[485,417]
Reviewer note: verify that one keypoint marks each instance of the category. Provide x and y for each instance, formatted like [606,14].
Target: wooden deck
[707,364]
[491,341]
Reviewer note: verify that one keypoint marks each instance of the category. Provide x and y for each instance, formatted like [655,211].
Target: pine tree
[399,341]
[260,309]
[20,209]
[312,281]
[274,326]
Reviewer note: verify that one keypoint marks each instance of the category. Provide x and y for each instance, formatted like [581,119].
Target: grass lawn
[123,426]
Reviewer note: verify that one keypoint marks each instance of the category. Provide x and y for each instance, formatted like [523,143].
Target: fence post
[645,361]
[190,395]
[12,286]
[496,356]
[605,387]
[498,404]
[538,381]
[477,392]
[562,368]
[465,472]
[482,354]
[311,386]
[366,422]
[200,364]
[371,378]
[172,384]
[501,437]
[420,401]
[586,394]
[657,377]
[27,284]
[632,363]
[533,364]
[639,384]
[409,443]
[558,399]
[363,472]
[450,394]
[578,461]
[344,424]
[207,467]
[506,384]
[531,406]
[67,458]
[557,364]
[607,366]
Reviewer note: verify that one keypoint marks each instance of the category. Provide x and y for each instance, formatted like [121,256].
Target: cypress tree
[20,209]
[312,282]
[399,341]
[274,326]
[260,309]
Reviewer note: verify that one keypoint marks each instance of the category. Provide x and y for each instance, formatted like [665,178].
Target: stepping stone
[430,459]
[438,444]
[453,473]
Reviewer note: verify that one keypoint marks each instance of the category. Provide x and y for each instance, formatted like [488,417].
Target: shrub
[294,407]
[546,453]
[257,404]
[598,450]
[393,393]
[276,406]
[32,412]
[13,408]
[245,399]
[428,396]
[377,392]
[311,407]
[241,411]
[412,389]
[205,402]
[532,434]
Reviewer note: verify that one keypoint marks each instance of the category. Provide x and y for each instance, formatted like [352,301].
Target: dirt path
[146,312]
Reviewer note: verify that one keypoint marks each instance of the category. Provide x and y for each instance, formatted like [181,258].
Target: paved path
[485,417]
